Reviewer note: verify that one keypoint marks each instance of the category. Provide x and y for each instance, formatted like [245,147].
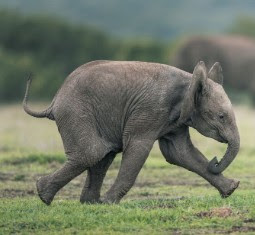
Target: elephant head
[207,108]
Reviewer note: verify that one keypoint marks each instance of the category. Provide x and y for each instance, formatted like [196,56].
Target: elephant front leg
[94,180]
[134,156]
[179,150]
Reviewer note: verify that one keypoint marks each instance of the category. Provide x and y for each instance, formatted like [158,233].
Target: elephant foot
[43,191]
[227,191]
[90,197]
[107,199]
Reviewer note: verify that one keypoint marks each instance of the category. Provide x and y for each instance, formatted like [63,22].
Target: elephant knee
[172,161]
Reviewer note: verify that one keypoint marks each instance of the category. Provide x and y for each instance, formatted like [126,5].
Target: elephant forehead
[217,97]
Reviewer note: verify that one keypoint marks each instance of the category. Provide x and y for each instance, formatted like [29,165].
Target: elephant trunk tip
[214,166]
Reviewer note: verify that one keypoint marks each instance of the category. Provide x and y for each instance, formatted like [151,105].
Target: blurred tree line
[51,48]
[244,26]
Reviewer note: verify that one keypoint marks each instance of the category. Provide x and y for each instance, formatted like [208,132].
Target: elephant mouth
[221,140]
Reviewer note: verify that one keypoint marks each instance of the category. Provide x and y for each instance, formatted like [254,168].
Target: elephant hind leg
[80,158]
[78,162]
[84,148]
[49,185]
[96,174]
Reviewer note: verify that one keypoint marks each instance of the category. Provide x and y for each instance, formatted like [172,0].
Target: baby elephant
[107,107]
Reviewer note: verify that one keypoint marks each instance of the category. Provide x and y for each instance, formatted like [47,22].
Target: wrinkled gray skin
[236,54]
[107,107]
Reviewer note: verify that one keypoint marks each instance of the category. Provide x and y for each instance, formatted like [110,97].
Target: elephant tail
[45,113]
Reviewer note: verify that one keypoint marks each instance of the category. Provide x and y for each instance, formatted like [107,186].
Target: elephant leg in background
[96,174]
[134,157]
[179,150]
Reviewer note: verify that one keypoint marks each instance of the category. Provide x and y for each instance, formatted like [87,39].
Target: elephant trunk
[216,167]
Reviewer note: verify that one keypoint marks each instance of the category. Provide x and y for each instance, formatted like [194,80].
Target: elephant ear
[216,74]
[197,88]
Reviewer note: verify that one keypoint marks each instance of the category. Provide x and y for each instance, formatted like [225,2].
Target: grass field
[165,199]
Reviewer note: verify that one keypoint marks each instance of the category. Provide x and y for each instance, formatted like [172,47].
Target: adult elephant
[107,107]
[235,53]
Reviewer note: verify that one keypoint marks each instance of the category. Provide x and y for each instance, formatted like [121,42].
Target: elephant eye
[221,116]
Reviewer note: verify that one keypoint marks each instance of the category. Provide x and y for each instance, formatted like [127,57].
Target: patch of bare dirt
[159,206]
[5,149]
[196,183]
[233,230]
[5,176]
[27,183]
[242,229]
[222,212]
[173,182]
[11,193]
[250,220]
[12,176]
[144,184]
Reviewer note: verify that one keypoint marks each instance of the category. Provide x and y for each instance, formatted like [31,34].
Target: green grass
[165,199]
[32,158]
[139,216]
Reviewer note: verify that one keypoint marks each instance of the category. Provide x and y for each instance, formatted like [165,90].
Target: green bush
[244,26]
[52,48]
